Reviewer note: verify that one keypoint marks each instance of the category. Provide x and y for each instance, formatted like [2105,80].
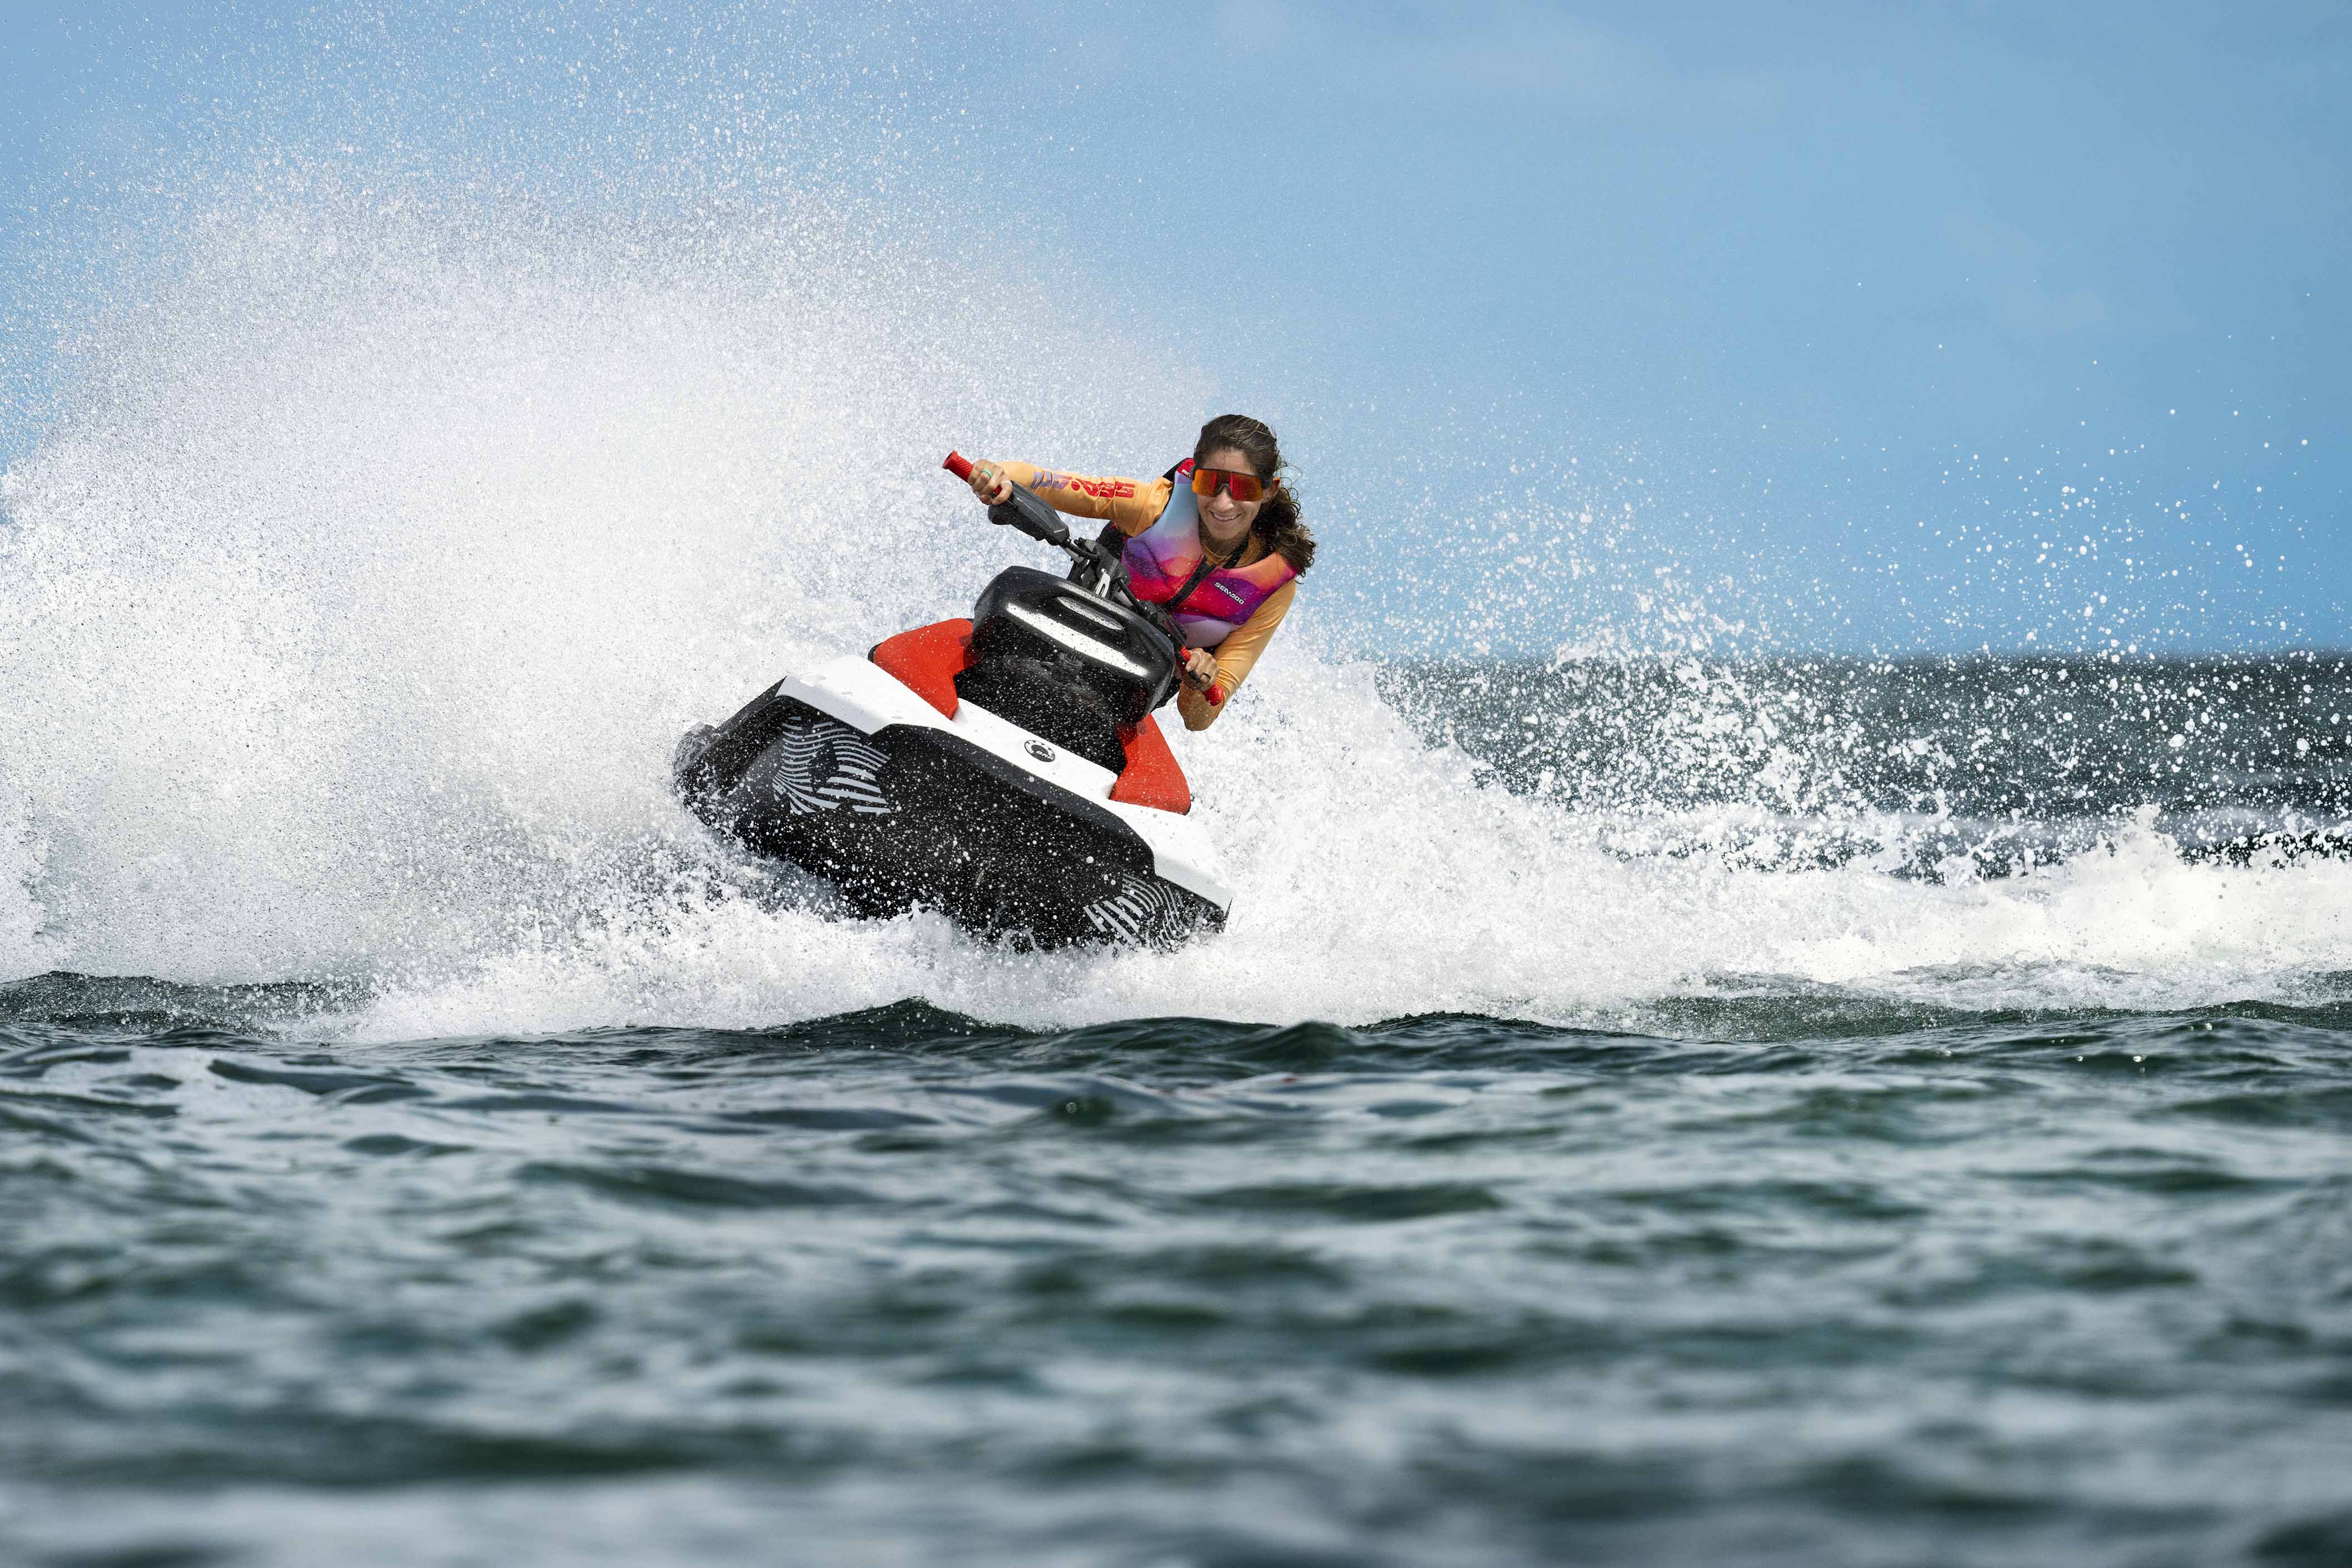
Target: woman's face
[1225,515]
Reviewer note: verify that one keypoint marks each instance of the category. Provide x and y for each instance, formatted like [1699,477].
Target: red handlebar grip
[960,466]
[1216,697]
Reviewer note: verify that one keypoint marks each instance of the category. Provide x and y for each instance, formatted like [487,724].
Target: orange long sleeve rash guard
[1132,506]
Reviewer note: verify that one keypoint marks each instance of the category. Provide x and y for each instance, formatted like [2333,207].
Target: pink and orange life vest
[1163,556]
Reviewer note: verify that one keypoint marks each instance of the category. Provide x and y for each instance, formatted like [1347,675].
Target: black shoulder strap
[1205,568]
[1176,600]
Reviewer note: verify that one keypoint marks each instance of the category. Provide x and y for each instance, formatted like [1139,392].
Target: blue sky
[1819,286]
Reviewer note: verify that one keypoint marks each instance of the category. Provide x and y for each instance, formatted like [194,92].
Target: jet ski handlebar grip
[1213,690]
[1022,510]
[1019,509]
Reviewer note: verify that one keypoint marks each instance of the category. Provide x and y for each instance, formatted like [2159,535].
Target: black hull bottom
[912,818]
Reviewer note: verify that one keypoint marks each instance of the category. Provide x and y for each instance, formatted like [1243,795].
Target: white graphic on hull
[824,766]
[1136,910]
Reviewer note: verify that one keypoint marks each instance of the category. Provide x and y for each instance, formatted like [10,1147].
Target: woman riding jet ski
[1005,769]
[1216,541]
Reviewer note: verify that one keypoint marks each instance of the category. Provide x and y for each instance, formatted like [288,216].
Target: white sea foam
[347,625]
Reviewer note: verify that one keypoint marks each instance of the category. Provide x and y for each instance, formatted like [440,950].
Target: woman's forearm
[1131,505]
[1236,656]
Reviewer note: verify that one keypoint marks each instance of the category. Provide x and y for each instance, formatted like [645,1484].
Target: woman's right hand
[989,483]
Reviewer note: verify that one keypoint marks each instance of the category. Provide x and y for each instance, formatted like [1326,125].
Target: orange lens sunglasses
[1242,487]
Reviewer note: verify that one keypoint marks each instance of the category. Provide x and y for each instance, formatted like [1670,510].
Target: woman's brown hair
[1277,518]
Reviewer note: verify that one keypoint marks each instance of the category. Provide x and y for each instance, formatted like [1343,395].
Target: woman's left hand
[1200,666]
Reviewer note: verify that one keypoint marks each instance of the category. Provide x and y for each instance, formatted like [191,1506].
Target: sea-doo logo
[1040,751]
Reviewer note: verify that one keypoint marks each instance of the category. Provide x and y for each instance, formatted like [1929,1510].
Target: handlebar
[1033,516]
[1213,691]
[1019,511]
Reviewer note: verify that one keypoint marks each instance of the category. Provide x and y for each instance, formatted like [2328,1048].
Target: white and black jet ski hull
[847,773]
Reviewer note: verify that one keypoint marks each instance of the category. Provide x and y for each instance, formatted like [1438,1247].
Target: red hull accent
[927,660]
[1152,777]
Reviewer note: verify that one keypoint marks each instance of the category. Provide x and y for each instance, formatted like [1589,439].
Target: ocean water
[1658,1106]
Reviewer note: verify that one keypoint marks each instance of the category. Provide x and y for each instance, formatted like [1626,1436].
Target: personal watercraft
[1005,769]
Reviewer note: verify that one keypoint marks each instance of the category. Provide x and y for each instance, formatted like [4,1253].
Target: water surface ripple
[1826,1287]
